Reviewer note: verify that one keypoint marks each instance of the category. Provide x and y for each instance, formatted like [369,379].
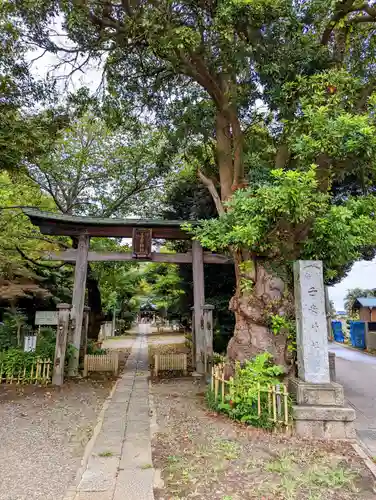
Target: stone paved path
[120,465]
[356,371]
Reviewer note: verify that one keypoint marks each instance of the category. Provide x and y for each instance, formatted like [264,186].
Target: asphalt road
[356,371]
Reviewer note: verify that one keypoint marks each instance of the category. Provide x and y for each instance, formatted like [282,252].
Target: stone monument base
[319,412]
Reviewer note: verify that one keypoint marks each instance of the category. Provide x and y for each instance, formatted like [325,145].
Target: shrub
[241,402]
[8,336]
[46,341]
[92,348]
[14,360]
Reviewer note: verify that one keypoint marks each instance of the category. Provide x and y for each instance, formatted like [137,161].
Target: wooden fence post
[85,329]
[61,343]
[208,336]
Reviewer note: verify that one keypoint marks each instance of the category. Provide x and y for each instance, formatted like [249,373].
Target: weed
[280,465]
[332,478]
[229,449]
[106,454]
[146,466]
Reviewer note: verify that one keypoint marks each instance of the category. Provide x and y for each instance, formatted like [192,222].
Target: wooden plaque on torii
[141,243]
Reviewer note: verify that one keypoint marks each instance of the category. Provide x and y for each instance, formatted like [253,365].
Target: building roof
[72,225]
[366,301]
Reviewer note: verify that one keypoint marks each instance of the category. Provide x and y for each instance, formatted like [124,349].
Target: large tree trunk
[259,293]
[253,306]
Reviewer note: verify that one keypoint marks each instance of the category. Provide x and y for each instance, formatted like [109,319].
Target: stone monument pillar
[319,411]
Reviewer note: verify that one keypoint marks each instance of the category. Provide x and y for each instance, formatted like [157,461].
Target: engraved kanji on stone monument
[311,324]
[142,243]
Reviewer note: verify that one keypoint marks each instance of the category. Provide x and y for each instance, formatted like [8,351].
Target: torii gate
[142,231]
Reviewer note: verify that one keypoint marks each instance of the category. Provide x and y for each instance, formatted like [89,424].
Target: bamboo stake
[259,399]
[223,384]
[24,375]
[37,373]
[212,379]
[231,385]
[274,404]
[216,383]
[285,400]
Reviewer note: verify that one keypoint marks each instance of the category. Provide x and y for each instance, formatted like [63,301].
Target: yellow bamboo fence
[38,371]
[170,362]
[277,395]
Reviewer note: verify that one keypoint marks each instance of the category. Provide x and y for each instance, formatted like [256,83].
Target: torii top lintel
[70,225]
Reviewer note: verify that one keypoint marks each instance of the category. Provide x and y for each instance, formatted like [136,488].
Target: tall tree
[296,77]
[93,170]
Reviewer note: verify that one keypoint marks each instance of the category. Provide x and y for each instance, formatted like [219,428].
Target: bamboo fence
[37,372]
[277,396]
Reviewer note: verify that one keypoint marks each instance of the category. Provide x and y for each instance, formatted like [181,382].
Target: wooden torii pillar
[198,305]
[78,300]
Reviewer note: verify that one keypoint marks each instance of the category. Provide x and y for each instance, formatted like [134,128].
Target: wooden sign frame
[141,243]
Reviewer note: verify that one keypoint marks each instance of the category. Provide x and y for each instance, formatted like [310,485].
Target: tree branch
[29,259]
[213,191]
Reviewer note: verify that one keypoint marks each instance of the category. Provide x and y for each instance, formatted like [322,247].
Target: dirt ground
[205,456]
[43,433]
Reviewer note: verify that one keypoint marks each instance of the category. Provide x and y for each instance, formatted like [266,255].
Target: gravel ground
[202,455]
[43,433]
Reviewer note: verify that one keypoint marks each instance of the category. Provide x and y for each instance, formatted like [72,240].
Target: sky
[362,274]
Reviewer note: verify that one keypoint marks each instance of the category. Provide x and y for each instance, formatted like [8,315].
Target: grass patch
[106,454]
[146,466]
[316,477]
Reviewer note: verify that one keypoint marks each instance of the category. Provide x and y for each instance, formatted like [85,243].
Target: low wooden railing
[170,362]
[101,363]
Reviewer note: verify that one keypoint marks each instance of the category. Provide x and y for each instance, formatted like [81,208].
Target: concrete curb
[352,348]
[363,455]
[71,492]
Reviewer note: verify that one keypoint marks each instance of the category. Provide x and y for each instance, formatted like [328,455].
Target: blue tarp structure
[358,334]
[337,331]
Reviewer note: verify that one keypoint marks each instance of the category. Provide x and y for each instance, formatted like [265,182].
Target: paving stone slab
[126,474]
[134,484]
[100,474]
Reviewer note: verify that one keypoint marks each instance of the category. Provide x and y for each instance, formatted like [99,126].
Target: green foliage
[46,342]
[15,360]
[8,336]
[241,402]
[280,324]
[290,218]
[163,286]
[94,170]
[92,348]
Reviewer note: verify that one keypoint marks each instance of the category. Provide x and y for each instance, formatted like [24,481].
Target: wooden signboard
[45,318]
[142,243]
